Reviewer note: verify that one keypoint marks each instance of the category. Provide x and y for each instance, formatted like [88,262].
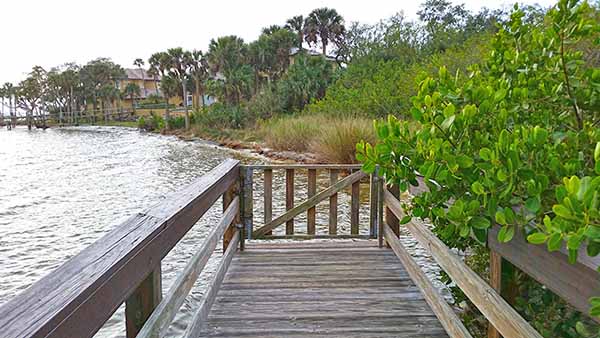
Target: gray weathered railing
[77,298]
[352,181]
[575,283]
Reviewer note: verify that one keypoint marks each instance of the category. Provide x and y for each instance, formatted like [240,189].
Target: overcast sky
[52,32]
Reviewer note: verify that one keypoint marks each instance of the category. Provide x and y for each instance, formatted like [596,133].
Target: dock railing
[124,266]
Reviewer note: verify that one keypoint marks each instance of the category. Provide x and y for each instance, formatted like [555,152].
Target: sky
[52,32]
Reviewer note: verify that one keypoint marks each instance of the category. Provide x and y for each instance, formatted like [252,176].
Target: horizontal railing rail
[498,312]
[76,299]
[293,210]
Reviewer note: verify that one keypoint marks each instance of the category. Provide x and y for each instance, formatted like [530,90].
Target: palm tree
[9,93]
[227,57]
[199,72]
[170,87]
[324,24]
[154,69]
[296,25]
[132,91]
[140,63]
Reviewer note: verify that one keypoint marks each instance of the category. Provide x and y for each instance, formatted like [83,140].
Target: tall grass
[330,139]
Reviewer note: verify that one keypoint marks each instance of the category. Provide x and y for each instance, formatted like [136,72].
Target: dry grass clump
[331,139]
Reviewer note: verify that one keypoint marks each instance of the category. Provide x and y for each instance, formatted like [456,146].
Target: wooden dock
[333,289]
[349,280]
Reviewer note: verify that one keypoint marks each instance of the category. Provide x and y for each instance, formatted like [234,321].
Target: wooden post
[141,303]
[390,218]
[311,217]
[354,208]
[268,197]
[496,284]
[373,205]
[247,206]
[333,201]
[380,202]
[289,199]
[227,198]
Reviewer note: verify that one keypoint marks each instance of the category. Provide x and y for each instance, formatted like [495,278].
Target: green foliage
[513,144]
[306,80]
[221,116]
[376,87]
[153,122]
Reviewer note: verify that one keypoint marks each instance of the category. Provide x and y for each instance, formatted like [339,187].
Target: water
[62,189]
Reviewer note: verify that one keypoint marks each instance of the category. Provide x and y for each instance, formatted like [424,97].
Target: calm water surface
[62,189]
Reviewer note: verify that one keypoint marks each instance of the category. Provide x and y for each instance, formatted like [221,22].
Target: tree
[132,90]
[199,73]
[63,84]
[29,94]
[140,64]
[9,92]
[179,71]
[324,25]
[170,87]
[96,76]
[516,144]
[296,25]
[227,57]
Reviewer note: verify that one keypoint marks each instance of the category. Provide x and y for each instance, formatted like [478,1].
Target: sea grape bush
[516,144]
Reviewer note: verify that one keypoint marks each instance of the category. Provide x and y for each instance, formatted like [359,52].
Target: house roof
[139,74]
[295,50]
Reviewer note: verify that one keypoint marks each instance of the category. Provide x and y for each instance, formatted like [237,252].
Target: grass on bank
[330,139]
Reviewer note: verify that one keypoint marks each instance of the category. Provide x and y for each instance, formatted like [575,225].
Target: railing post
[380,203]
[141,303]
[496,284]
[228,196]
[268,197]
[354,208]
[311,216]
[390,219]
[289,199]
[373,205]
[333,203]
[247,205]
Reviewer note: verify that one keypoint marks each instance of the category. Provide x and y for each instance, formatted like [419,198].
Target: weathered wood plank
[199,319]
[268,196]
[390,219]
[496,283]
[305,166]
[355,208]
[247,204]
[506,320]
[289,202]
[228,197]
[454,327]
[311,217]
[159,322]
[333,203]
[139,306]
[360,291]
[290,214]
[575,283]
[65,303]
[380,223]
[373,205]
[306,237]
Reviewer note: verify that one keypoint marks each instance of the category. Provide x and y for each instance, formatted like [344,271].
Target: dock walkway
[333,289]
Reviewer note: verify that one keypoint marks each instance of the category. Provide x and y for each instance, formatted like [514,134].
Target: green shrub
[220,116]
[153,122]
[516,145]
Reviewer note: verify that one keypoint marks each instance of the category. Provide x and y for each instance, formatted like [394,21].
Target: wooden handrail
[438,304]
[158,323]
[199,318]
[575,283]
[305,166]
[77,298]
[500,314]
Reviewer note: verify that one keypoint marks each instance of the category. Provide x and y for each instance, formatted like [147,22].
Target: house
[295,51]
[149,85]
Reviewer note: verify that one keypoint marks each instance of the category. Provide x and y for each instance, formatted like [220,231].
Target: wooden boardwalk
[333,289]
